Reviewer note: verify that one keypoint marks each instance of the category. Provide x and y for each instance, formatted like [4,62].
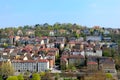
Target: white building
[30,65]
[93,53]
[93,38]
[24,65]
[43,65]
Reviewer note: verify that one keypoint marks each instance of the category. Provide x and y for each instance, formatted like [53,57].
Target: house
[11,39]
[61,39]
[19,33]
[86,31]
[51,58]
[50,45]
[51,33]
[107,39]
[60,42]
[93,38]
[80,39]
[76,45]
[42,65]
[94,53]
[76,60]
[106,32]
[52,39]
[46,40]
[62,31]
[71,44]
[107,65]
[77,52]
[24,65]
[30,32]
[4,56]
[92,66]
[17,38]
[30,65]
[92,63]
[96,32]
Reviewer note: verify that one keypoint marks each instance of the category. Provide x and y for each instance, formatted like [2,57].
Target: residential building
[30,65]
[42,65]
[93,38]
[24,65]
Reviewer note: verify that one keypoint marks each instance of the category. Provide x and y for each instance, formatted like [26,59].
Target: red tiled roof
[24,61]
[51,54]
[30,61]
[76,56]
[42,60]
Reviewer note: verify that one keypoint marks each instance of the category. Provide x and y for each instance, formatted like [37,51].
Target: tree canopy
[36,76]
[12,78]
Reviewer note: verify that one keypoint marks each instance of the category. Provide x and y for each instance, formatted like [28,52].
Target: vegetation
[65,30]
[20,77]
[12,78]
[36,76]
[6,69]
[109,76]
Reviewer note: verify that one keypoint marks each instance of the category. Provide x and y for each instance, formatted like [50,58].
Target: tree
[73,68]
[109,76]
[12,78]
[106,52]
[48,76]
[20,77]
[37,33]
[77,35]
[7,69]
[57,76]
[42,73]
[36,76]
[1,77]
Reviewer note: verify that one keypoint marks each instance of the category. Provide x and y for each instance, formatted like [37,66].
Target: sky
[104,13]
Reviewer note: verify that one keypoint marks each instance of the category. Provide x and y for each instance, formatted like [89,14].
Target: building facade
[30,65]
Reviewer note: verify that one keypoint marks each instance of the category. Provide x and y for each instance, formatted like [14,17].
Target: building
[92,66]
[42,65]
[24,65]
[30,65]
[93,38]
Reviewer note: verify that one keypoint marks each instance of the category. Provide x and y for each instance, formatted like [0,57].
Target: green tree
[7,69]
[109,75]
[20,77]
[36,76]
[12,78]
[73,68]
[106,53]
[37,33]
[57,76]
[1,77]
[42,73]
[77,35]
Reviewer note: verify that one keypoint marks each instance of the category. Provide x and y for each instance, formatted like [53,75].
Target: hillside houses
[86,52]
